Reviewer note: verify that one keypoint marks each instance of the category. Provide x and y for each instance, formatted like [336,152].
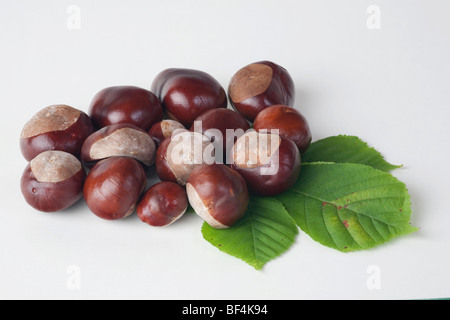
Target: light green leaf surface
[264,233]
[346,149]
[349,206]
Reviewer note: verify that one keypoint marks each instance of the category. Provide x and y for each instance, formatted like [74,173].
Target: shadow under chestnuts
[205,155]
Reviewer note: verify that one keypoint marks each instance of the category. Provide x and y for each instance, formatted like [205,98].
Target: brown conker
[56,127]
[258,86]
[269,163]
[290,123]
[162,204]
[53,181]
[218,194]
[125,104]
[119,140]
[164,129]
[113,187]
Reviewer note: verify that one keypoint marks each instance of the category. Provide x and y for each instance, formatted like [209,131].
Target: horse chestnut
[164,129]
[113,187]
[162,204]
[269,163]
[258,86]
[218,194]
[187,93]
[53,181]
[125,104]
[119,140]
[290,123]
[56,127]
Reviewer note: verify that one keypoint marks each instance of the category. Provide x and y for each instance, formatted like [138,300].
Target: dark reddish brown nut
[162,204]
[290,123]
[125,104]
[178,155]
[113,187]
[258,86]
[125,140]
[218,194]
[57,127]
[269,163]
[53,181]
[164,129]
[187,93]
[222,127]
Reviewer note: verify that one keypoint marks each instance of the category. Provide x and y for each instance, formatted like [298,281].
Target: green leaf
[349,206]
[346,149]
[265,232]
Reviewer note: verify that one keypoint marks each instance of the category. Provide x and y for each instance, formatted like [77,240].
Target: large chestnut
[113,187]
[162,204]
[164,129]
[53,181]
[218,194]
[56,127]
[125,104]
[187,93]
[119,140]
[178,155]
[222,127]
[269,163]
[258,86]
[290,123]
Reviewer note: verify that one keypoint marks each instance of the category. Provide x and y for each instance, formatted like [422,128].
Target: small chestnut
[163,129]
[162,204]
[222,127]
[125,104]
[187,93]
[56,127]
[113,187]
[258,86]
[218,194]
[119,140]
[178,155]
[53,181]
[269,163]
[290,123]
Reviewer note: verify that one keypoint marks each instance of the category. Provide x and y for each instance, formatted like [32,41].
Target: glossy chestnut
[53,181]
[269,163]
[119,140]
[162,204]
[290,123]
[258,86]
[164,129]
[56,127]
[218,194]
[187,93]
[178,155]
[222,127]
[113,187]
[125,104]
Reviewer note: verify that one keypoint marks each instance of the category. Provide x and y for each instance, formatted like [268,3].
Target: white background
[389,86]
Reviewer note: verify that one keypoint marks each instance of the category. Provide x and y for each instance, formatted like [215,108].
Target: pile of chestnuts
[205,155]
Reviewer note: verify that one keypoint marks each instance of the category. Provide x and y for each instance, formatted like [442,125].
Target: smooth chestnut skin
[56,127]
[125,104]
[53,181]
[164,129]
[113,187]
[119,140]
[162,204]
[218,194]
[258,86]
[215,123]
[178,155]
[290,123]
[277,164]
[187,93]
